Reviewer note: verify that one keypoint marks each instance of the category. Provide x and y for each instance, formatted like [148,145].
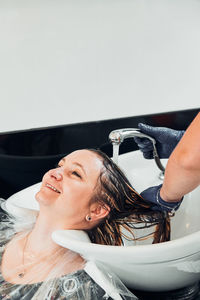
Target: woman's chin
[45,197]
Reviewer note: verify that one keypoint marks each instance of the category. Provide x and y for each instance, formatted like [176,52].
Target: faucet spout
[119,135]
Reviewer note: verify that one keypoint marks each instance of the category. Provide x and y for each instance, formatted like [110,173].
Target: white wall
[67,61]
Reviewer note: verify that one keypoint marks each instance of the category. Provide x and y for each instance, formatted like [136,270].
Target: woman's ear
[99,211]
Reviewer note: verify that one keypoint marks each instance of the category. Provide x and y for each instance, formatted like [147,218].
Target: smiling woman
[85,191]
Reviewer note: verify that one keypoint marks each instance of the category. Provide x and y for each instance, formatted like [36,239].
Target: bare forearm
[178,182]
[182,173]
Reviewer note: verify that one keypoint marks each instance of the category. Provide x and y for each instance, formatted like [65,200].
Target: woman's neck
[39,239]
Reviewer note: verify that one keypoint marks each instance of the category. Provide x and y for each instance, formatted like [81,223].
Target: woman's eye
[76,174]
[57,166]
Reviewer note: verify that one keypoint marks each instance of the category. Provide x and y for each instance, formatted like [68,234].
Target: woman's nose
[56,173]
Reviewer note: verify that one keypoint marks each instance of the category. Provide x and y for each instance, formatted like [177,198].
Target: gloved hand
[152,195]
[166,140]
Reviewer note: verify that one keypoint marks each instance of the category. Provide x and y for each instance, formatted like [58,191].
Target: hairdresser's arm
[182,173]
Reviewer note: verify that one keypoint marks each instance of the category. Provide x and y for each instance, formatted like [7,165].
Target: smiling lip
[51,187]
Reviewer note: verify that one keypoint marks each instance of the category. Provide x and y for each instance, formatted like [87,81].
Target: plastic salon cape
[90,283]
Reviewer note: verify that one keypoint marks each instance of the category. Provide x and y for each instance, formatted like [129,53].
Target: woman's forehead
[88,159]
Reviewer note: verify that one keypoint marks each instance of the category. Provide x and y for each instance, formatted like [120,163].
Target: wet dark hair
[128,209]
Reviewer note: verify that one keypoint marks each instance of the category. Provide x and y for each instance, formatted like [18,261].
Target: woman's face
[66,190]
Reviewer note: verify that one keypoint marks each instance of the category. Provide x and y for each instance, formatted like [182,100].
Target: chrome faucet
[119,135]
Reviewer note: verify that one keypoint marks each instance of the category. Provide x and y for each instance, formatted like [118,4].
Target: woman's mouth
[52,188]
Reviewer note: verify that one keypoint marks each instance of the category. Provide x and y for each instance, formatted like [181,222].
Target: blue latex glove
[166,140]
[152,195]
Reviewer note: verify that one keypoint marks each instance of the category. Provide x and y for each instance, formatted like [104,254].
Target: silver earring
[88,218]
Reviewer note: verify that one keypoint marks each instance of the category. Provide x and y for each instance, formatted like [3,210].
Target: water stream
[115,152]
